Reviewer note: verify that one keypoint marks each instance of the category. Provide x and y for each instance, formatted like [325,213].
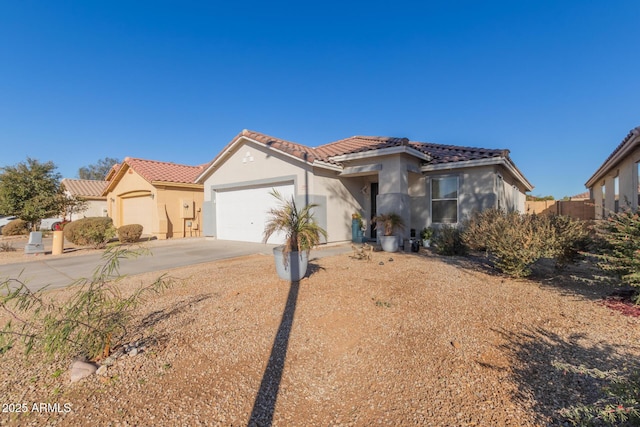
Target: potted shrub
[357,228]
[426,234]
[301,231]
[390,223]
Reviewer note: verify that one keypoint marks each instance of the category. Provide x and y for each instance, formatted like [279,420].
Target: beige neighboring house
[616,183]
[162,197]
[427,184]
[89,190]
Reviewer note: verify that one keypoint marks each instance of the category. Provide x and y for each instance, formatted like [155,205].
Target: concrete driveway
[60,271]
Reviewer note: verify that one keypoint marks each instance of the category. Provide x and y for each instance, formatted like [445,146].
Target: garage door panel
[241,214]
[138,210]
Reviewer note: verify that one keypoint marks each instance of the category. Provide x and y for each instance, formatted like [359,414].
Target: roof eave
[239,139]
[177,184]
[630,144]
[506,162]
[381,152]
[124,166]
[326,165]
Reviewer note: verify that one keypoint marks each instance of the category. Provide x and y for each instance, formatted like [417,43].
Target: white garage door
[138,210]
[241,214]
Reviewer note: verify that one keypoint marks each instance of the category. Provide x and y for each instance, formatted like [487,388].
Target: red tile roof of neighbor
[358,144]
[153,170]
[584,195]
[85,187]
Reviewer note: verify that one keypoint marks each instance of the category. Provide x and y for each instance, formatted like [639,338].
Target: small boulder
[79,370]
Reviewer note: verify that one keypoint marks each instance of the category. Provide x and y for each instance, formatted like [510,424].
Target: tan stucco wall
[251,162]
[168,217]
[397,175]
[344,197]
[478,190]
[130,183]
[174,217]
[627,173]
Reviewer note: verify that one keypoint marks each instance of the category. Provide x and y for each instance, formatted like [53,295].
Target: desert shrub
[620,407]
[92,231]
[130,233]
[448,241]
[17,227]
[569,240]
[7,247]
[88,324]
[517,241]
[619,248]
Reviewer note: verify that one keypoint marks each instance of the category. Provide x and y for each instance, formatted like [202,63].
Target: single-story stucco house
[90,191]
[616,183]
[160,196]
[427,184]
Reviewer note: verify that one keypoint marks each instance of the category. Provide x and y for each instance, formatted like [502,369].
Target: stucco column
[393,192]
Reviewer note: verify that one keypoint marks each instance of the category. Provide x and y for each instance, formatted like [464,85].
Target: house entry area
[241,213]
[373,232]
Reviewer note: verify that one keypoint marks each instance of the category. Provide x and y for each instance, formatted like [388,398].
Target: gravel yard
[404,339]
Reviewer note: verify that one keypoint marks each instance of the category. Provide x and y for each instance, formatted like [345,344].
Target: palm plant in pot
[301,234]
[390,223]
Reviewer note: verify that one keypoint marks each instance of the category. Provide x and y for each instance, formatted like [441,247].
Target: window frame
[432,199]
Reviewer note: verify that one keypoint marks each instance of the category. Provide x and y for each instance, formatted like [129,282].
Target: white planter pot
[426,243]
[389,243]
[296,267]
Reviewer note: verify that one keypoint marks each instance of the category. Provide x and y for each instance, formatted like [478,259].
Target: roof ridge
[458,147]
[160,161]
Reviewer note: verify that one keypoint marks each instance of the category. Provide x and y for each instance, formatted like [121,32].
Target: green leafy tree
[31,191]
[99,170]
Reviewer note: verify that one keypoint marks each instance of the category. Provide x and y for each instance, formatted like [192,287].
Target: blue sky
[556,82]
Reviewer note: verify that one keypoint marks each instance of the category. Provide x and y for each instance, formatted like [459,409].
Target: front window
[444,200]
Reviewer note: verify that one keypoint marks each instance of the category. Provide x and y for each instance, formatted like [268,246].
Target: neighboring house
[90,191]
[616,184]
[160,196]
[427,184]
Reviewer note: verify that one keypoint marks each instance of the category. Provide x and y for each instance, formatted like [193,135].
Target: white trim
[361,170]
[326,165]
[381,152]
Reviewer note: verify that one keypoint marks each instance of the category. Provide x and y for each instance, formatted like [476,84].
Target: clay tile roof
[358,144]
[455,153]
[153,170]
[298,150]
[584,195]
[85,187]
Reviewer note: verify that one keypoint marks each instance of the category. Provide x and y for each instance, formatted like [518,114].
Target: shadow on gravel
[582,278]
[265,403]
[557,374]
[313,268]
[159,315]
